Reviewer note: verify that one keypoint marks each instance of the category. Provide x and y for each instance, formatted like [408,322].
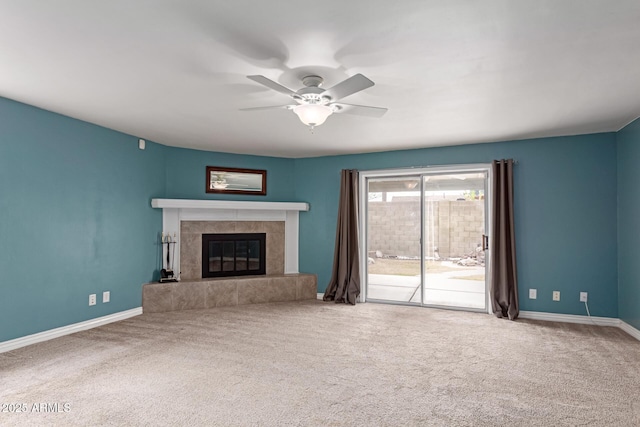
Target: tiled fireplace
[188,220]
[191,243]
[219,216]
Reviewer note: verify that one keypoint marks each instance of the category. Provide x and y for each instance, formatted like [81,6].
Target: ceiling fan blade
[272,85]
[360,110]
[348,87]
[270,107]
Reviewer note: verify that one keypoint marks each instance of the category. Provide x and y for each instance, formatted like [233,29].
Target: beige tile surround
[194,292]
[191,243]
[224,292]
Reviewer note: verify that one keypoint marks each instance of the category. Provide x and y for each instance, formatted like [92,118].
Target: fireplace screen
[226,255]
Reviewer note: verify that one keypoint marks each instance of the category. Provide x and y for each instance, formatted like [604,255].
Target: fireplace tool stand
[166,274]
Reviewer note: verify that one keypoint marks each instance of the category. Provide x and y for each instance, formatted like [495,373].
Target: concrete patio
[442,289]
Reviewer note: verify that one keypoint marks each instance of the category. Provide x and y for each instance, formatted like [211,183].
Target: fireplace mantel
[228,204]
[175,211]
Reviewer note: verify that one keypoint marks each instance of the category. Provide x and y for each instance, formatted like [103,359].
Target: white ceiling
[450,71]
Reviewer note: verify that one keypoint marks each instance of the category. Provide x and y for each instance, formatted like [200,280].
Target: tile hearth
[222,292]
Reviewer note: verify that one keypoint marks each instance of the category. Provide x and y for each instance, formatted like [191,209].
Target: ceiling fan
[314,104]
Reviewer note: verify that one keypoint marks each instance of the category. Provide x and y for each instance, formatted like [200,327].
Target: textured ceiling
[450,72]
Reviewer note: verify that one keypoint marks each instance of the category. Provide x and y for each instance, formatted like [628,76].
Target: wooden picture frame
[223,180]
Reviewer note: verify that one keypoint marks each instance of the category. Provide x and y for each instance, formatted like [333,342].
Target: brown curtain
[504,283]
[345,277]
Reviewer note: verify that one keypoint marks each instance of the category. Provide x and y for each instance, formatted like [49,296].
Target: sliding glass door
[424,233]
[394,270]
[454,226]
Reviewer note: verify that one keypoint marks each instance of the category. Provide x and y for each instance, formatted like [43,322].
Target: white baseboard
[116,317]
[569,318]
[629,329]
[67,330]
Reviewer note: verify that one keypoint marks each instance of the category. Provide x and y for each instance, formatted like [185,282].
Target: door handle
[485,242]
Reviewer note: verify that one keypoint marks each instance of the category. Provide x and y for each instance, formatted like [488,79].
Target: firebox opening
[225,255]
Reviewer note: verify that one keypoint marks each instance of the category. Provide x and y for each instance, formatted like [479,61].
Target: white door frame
[420,171]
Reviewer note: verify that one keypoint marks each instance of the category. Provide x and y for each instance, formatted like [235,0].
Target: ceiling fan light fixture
[314,104]
[312,114]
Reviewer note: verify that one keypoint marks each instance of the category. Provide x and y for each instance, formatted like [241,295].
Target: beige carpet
[321,364]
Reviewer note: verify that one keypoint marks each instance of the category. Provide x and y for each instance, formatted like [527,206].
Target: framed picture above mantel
[236,181]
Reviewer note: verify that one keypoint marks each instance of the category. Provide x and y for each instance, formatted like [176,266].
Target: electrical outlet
[92,299]
[106,296]
[533,293]
[583,296]
[556,295]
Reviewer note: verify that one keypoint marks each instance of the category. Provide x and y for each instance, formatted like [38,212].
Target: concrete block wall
[394,227]
[454,227]
[466,226]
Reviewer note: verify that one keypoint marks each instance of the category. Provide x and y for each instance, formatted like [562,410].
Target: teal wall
[75,219]
[82,194]
[629,223]
[565,213]
[186,174]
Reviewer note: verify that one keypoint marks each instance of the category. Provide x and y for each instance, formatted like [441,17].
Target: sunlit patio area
[446,283]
